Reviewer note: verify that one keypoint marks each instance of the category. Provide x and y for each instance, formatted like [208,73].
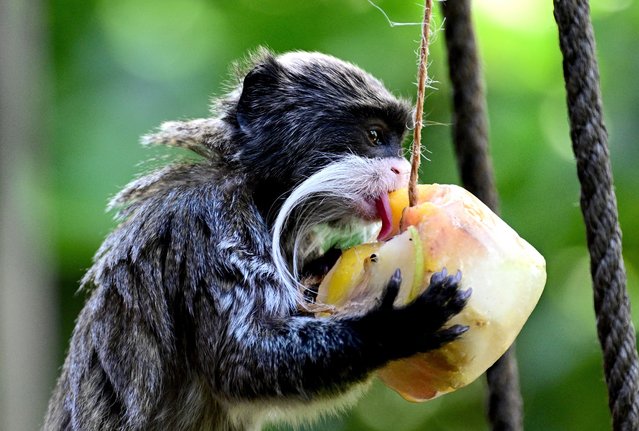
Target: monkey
[196,317]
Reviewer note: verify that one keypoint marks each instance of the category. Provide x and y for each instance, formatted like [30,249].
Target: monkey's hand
[390,332]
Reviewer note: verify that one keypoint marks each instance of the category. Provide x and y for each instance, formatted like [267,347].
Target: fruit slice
[347,273]
[452,229]
[359,276]
[405,248]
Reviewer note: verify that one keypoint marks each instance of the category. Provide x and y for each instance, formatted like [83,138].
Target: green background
[116,69]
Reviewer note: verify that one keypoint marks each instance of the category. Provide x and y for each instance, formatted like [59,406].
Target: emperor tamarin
[196,319]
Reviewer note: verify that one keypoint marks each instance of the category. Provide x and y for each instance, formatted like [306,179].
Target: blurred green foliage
[120,67]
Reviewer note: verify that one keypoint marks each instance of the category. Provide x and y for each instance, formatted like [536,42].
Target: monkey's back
[166,285]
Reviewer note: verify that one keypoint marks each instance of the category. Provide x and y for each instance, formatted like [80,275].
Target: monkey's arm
[302,357]
[202,244]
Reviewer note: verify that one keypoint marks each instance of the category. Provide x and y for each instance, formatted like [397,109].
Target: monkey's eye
[375,135]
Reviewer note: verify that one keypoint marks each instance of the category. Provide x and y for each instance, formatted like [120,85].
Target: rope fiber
[470,139]
[599,207]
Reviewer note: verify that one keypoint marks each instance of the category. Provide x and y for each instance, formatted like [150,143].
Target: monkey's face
[301,111]
[321,141]
[350,189]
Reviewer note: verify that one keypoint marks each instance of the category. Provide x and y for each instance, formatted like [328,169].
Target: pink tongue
[382,204]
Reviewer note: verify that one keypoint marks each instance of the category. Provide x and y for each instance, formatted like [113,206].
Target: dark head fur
[320,106]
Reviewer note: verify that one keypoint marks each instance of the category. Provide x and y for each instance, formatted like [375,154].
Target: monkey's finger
[442,288]
[438,277]
[461,299]
[392,290]
[445,336]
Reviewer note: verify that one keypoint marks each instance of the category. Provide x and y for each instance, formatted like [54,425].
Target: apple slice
[449,228]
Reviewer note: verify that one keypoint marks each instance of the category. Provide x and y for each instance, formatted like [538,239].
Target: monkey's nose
[400,166]
[401,170]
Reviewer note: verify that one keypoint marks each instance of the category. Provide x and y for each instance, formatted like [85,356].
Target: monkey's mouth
[378,208]
[371,209]
[382,205]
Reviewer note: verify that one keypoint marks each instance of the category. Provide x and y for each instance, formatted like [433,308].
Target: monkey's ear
[259,86]
[208,137]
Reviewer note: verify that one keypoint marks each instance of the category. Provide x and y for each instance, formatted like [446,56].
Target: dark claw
[445,336]
[438,277]
[396,278]
[457,277]
[466,294]
[392,290]
[458,330]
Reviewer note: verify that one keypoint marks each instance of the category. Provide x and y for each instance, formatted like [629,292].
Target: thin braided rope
[422,78]
[599,208]
[470,138]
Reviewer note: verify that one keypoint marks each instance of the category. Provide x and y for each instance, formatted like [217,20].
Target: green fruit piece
[418,278]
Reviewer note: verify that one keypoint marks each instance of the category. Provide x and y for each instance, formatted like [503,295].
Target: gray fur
[189,324]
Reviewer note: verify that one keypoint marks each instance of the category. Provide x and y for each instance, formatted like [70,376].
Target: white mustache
[335,192]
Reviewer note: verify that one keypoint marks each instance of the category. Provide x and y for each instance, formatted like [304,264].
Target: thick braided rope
[470,124]
[470,138]
[599,207]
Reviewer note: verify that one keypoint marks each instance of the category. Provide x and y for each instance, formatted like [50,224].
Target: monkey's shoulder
[199,218]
